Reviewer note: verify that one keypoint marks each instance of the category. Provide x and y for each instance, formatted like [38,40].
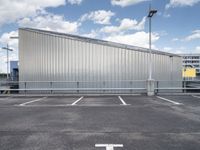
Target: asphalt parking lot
[100,123]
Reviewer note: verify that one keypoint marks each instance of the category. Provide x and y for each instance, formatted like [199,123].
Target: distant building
[192,60]
[14,70]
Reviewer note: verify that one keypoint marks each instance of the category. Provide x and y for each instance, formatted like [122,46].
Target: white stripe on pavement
[74,103]
[36,100]
[123,102]
[168,100]
[109,146]
[2,99]
[195,96]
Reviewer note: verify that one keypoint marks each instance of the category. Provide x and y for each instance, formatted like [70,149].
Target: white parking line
[3,99]
[109,146]
[36,100]
[168,100]
[195,96]
[74,103]
[121,99]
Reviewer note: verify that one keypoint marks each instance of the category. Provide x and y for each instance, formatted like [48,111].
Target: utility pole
[150,81]
[150,15]
[7,49]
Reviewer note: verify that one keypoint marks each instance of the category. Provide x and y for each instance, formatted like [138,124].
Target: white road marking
[195,96]
[2,99]
[74,103]
[44,105]
[36,100]
[109,146]
[168,100]
[121,99]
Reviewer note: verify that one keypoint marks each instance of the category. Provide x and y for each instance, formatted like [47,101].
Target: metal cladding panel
[47,57]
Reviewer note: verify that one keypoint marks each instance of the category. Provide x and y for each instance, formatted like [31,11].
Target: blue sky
[176,26]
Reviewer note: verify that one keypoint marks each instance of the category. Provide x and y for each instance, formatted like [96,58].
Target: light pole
[7,49]
[150,15]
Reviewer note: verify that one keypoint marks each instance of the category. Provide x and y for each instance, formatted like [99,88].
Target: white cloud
[125,24]
[177,52]
[172,50]
[92,34]
[140,39]
[124,3]
[74,2]
[167,49]
[197,49]
[98,17]
[175,39]
[12,10]
[13,44]
[50,22]
[166,15]
[6,39]
[195,35]
[181,3]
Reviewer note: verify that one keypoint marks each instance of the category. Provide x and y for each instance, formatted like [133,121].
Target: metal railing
[51,87]
[181,86]
[97,87]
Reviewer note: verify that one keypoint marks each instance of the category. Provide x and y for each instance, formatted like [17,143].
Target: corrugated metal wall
[48,57]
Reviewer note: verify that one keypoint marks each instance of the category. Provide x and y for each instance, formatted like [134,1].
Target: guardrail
[98,87]
[181,86]
[51,87]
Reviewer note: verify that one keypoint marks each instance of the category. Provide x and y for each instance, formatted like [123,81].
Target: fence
[97,87]
[182,86]
[73,87]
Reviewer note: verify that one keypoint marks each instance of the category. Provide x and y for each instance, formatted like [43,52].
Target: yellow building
[189,72]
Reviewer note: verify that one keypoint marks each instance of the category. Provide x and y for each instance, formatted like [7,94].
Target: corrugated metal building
[88,63]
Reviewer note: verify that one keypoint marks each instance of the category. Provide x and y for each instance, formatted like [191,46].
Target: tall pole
[7,49]
[150,51]
[7,61]
[150,82]
[150,15]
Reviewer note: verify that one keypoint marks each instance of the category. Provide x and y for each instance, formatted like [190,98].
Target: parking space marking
[109,146]
[121,99]
[36,100]
[3,99]
[74,103]
[168,100]
[195,96]
[44,105]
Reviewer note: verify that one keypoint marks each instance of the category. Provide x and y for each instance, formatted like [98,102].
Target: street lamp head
[7,48]
[14,37]
[152,12]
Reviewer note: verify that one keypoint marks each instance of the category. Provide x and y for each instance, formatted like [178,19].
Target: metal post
[51,87]
[150,51]
[157,86]
[150,81]
[77,86]
[25,87]
[7,62]
[7,49]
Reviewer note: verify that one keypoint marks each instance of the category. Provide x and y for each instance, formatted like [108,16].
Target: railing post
[77,85]
[184,85]
[25,87]
[51,86]
[157,85]
[150,87]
